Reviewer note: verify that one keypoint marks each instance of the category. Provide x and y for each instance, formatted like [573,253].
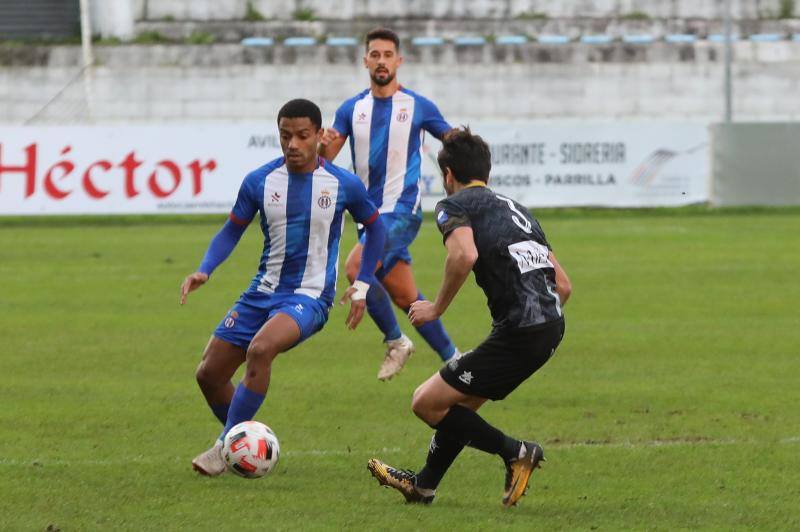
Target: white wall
[347,9]
[198,83]
[113,18]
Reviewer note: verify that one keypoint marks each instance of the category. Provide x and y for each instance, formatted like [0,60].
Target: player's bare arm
[192,283]
[331,143]
[461,256]
[563,285]
[356,295]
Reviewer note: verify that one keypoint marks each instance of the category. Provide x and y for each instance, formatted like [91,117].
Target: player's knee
[206,379]
[261,351]
[403,299]
[421,405]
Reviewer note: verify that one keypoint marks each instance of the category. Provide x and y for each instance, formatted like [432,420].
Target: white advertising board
[198,168]
[129,169]
[606,165]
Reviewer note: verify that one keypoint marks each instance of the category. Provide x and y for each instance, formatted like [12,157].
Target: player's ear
[447,176]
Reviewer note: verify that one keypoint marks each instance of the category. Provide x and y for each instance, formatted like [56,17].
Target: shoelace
[402,474]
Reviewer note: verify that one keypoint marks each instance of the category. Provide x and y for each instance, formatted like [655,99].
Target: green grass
[672,403]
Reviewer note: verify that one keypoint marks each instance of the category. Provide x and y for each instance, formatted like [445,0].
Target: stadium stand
[186,55]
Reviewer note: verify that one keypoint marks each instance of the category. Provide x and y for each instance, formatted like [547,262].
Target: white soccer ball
[251,449]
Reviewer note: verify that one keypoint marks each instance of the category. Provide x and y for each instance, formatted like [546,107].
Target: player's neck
[306,168]
[384,91]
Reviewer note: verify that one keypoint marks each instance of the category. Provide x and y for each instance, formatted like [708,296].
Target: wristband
[361,291]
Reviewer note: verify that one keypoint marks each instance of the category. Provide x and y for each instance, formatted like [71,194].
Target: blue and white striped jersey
[385,140]
[302,216]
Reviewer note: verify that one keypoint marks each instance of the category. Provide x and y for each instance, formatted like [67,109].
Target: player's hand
[357,296]
[421,312]
[192,283]
[328,136]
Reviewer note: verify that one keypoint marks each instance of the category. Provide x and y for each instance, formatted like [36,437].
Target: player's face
[382,61]
[299,140]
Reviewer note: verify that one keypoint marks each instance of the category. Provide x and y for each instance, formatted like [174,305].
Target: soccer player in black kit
[526,289]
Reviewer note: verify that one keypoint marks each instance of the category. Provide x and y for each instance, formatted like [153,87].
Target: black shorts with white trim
[504,360]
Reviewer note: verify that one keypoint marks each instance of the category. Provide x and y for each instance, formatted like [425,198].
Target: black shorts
[503,361]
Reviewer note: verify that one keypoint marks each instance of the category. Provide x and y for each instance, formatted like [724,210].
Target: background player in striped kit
[301,199]
[385,124]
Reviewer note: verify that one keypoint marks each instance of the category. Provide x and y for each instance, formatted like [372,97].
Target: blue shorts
[252,311]
[401,230]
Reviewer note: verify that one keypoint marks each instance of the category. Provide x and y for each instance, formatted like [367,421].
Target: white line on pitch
[345,452]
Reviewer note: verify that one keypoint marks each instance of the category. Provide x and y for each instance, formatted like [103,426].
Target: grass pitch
[672,403]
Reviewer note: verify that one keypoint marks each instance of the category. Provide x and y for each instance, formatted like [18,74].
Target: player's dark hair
[384,34]
[467,155]
[301,108]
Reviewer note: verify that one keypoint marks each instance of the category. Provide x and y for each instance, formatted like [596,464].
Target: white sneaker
[210,462]
[397,353]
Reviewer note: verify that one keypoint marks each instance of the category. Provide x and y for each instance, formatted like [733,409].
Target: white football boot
[210,462]
[397,353]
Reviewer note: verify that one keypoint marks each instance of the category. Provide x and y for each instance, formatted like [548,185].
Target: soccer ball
[251,449]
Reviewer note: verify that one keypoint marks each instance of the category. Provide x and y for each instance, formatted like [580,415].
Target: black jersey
[513,267]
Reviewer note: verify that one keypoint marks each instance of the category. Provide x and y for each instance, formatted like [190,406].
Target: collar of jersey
[385,98]
[474,184]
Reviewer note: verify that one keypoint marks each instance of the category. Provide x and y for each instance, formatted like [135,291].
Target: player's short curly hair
[384,34]
[300,108]
[466,155]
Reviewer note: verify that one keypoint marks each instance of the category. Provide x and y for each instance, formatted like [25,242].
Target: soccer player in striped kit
[385,124]
[300,199]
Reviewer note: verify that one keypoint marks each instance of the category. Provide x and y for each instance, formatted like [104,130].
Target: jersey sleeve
[246,206]
[433,121]
[358,202]
[450,216]
[343,120]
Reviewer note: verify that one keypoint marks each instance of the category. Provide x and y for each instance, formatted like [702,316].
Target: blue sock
[221,411]
[380,310]
[244,406]
[433,332]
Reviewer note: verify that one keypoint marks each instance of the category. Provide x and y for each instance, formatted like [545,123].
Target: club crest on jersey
[324,200]
[230,321]
[275,198]
[362,117]
[402,116]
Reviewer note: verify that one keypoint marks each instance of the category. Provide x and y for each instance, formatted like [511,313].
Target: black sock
[471,429]
[443,451]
